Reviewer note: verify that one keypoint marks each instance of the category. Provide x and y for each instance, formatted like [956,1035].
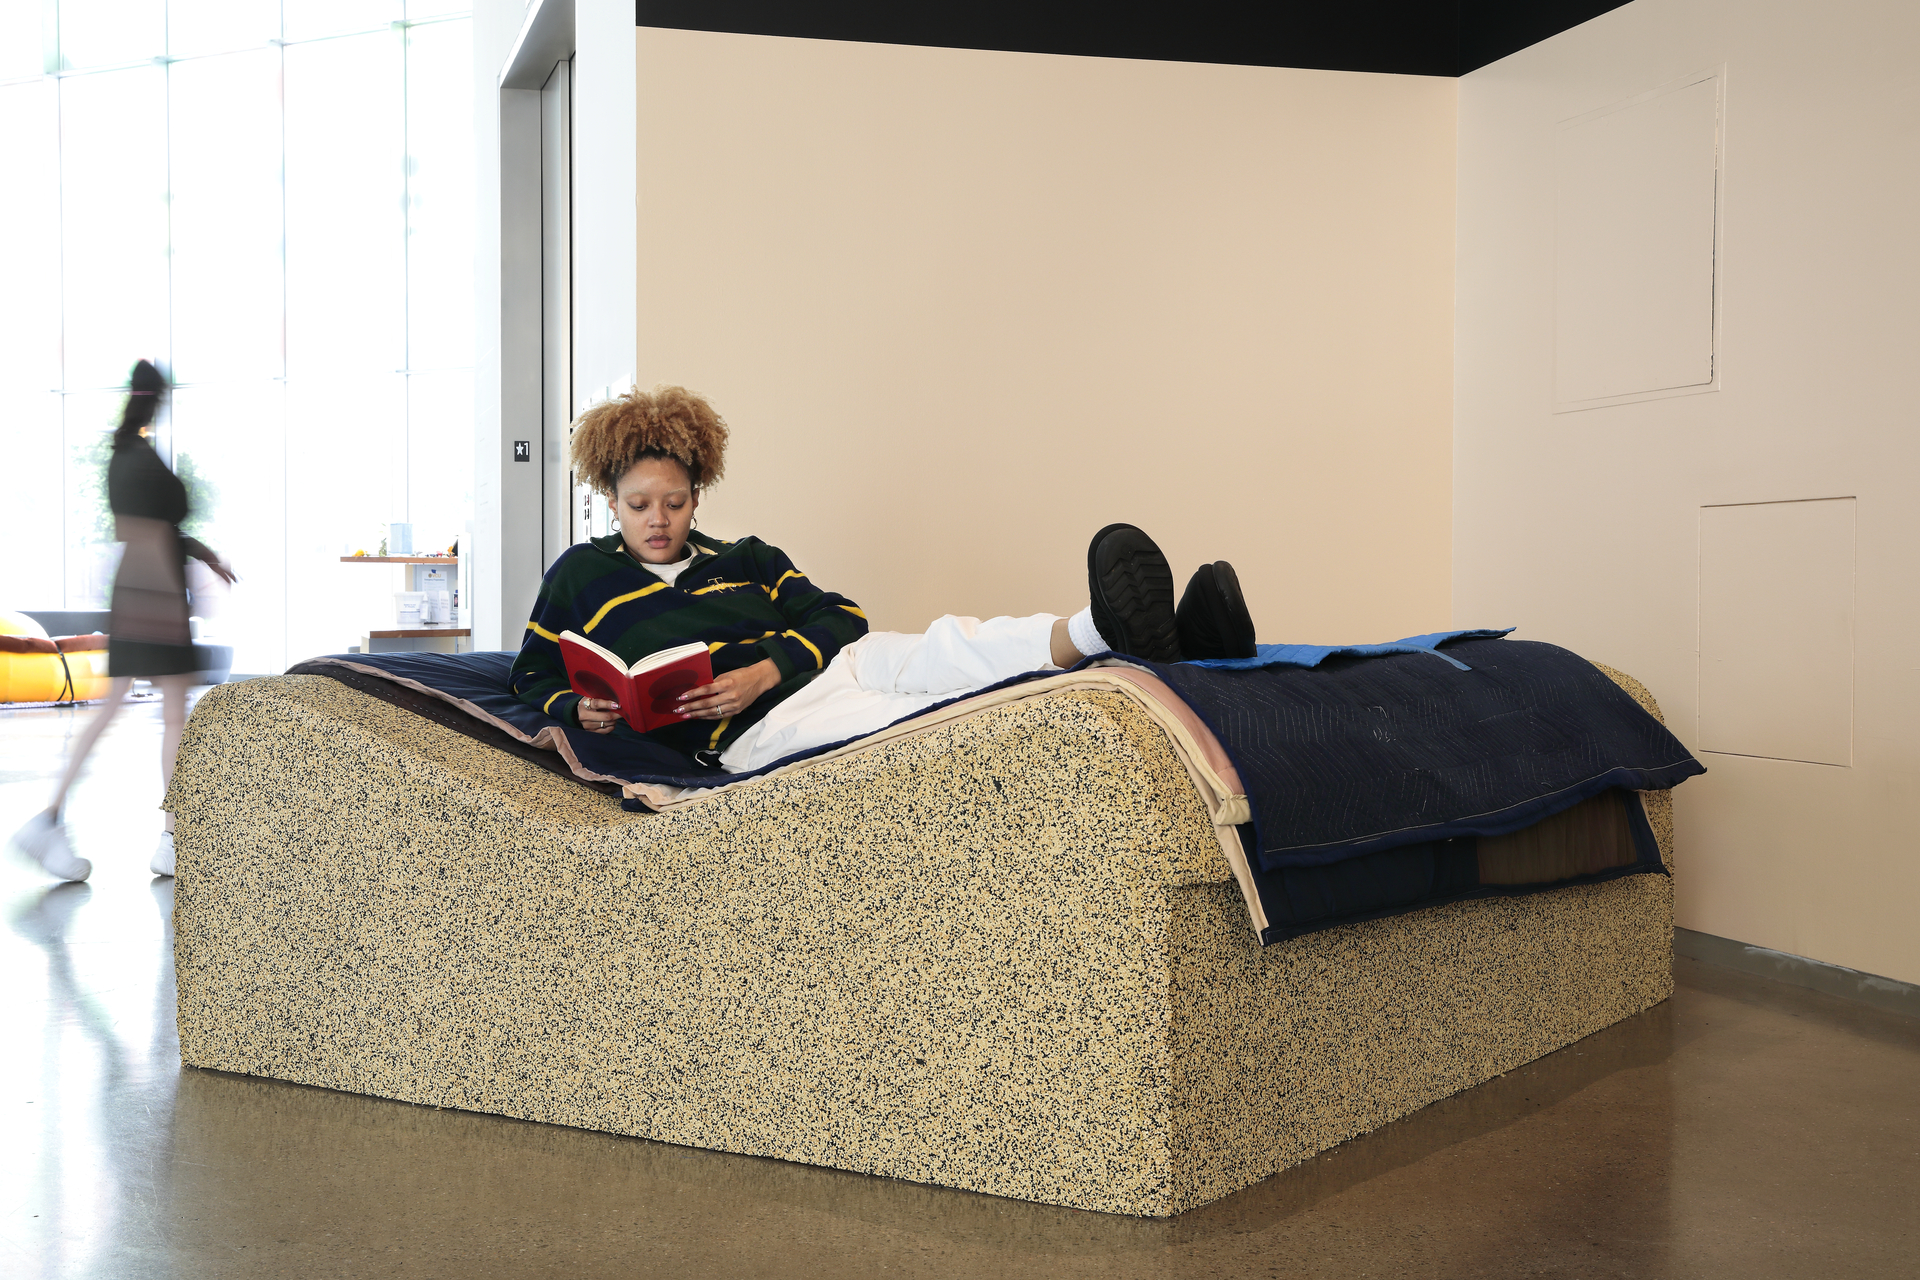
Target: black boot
[1130,586]
[1213,618]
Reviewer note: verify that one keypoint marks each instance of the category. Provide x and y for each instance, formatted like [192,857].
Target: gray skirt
[150,634]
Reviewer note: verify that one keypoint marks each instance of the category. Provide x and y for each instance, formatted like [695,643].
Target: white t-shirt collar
[670,573]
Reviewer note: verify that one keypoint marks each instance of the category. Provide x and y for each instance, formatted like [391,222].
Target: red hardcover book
[648,690]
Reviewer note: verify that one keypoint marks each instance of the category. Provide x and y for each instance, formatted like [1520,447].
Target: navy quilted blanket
[1359,755]
[1369,774]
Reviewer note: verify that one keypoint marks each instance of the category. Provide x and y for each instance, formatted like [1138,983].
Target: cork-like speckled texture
[1006,955]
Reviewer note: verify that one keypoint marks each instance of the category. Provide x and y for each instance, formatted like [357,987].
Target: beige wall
[1609,530]
[962,308]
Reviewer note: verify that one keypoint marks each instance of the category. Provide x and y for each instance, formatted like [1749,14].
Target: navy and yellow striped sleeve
[539,676]
[819,623]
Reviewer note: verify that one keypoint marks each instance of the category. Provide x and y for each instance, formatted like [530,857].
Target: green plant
[203,496]
[91,457]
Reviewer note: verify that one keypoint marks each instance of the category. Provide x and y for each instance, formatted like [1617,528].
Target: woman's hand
[597,715]
[730,693]
[218,563]
[207,556]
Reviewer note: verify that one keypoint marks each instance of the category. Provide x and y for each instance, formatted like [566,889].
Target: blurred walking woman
[149,636]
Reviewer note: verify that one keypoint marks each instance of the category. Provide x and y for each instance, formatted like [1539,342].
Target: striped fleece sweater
[744,599]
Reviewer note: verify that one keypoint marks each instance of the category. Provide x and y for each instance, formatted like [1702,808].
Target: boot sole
[1131,585]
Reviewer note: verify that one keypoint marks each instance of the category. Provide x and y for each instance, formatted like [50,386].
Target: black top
[139,484]
[151,634]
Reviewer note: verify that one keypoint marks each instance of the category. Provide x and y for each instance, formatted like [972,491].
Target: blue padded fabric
[1356,755]
[1312,655]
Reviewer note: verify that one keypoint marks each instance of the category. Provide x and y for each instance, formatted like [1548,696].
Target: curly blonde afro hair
[666,422]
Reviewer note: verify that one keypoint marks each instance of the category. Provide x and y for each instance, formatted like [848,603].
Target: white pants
[885,675]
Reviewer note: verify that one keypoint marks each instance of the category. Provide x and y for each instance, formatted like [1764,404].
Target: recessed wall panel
[1776,630]
[1634,248]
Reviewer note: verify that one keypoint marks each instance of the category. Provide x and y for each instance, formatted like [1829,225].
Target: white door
[558,513]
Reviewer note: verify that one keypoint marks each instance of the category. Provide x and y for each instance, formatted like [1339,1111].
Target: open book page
[664,656]
[648,691]
[659,658]
[605,655]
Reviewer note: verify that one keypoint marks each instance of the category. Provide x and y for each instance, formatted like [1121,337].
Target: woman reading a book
[794,666]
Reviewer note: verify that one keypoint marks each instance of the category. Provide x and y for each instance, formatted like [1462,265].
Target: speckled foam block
[1006,955]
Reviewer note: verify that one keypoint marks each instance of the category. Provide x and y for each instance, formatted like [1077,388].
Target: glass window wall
[274,200]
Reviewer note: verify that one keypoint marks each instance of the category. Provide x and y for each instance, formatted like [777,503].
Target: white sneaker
[44,839]
[162,864]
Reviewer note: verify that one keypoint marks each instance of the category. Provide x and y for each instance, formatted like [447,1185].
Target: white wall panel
[1634,250]
[1586,528]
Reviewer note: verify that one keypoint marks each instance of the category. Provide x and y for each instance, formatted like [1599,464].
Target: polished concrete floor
[1743,1129]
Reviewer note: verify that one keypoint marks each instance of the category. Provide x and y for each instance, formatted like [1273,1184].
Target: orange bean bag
[36,668]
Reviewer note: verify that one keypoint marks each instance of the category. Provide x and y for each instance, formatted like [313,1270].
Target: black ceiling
[1413,37]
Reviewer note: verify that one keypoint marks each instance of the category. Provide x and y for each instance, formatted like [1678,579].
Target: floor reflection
[88,1003]
[1741,1128]
[90,972]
